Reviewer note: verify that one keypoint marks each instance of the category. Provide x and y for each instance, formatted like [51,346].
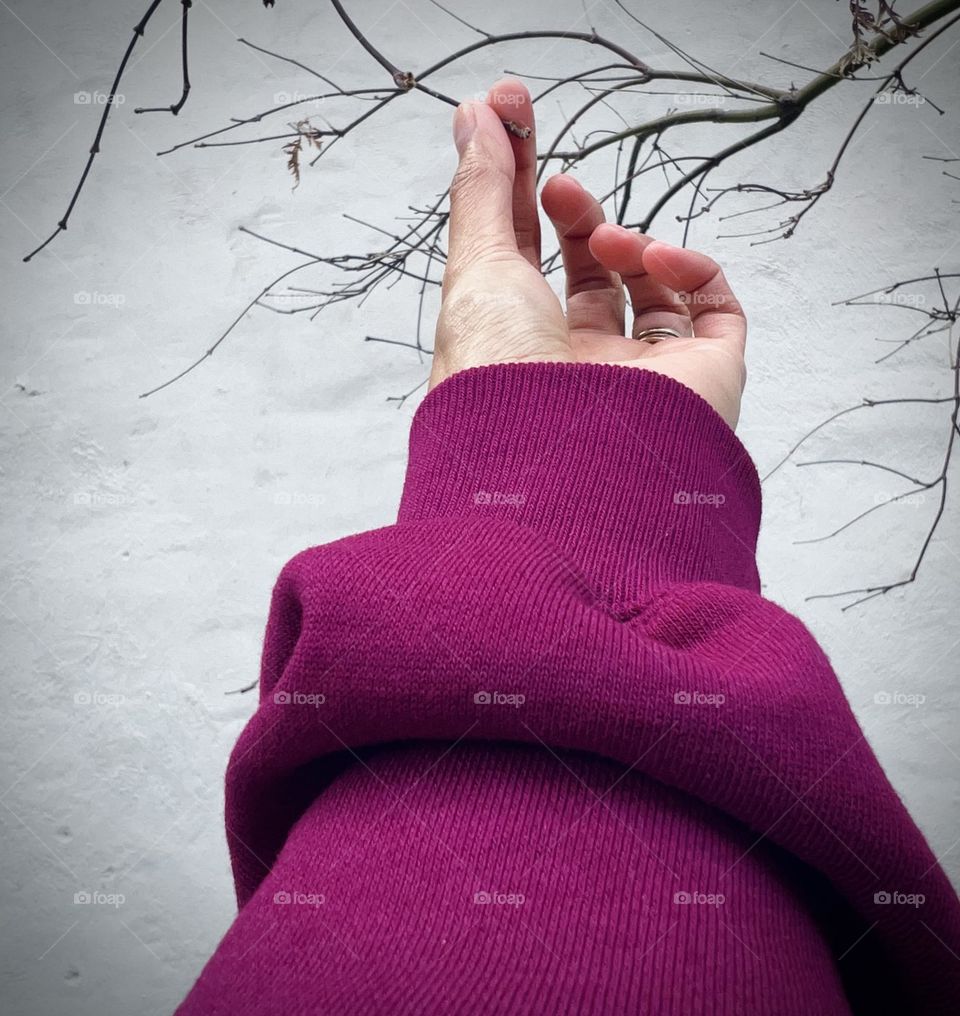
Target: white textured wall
[142,537]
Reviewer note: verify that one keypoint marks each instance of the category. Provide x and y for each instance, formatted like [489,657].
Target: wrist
[631,473]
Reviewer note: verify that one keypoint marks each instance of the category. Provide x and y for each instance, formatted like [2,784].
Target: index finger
[511,100]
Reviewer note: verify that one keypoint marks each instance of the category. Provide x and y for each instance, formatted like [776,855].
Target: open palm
[498,307]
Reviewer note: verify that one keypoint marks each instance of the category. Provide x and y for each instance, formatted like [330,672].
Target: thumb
[481,194]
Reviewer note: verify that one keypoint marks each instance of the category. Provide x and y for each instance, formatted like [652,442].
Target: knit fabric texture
[542,747]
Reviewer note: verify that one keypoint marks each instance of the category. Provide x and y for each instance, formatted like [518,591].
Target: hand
[497,307]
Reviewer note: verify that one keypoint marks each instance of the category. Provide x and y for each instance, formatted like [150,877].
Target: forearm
[573,572]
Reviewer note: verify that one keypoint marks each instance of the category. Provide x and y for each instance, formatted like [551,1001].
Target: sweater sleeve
[581,539]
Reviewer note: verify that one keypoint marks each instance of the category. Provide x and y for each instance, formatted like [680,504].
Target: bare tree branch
[138,31]
[948,312]
[175,108]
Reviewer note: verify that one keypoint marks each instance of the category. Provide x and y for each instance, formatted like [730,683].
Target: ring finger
[655,304]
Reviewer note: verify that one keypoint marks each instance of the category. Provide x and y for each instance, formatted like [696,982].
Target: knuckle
[477,170]
[465,176]
[677,307]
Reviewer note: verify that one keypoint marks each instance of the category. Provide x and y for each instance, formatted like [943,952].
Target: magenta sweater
[541,747]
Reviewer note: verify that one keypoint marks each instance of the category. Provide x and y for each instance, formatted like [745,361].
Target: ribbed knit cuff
[632,474]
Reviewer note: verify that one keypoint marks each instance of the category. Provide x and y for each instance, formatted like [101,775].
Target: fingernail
[464,124]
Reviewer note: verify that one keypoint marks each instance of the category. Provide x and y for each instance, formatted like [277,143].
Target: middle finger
[595,297]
